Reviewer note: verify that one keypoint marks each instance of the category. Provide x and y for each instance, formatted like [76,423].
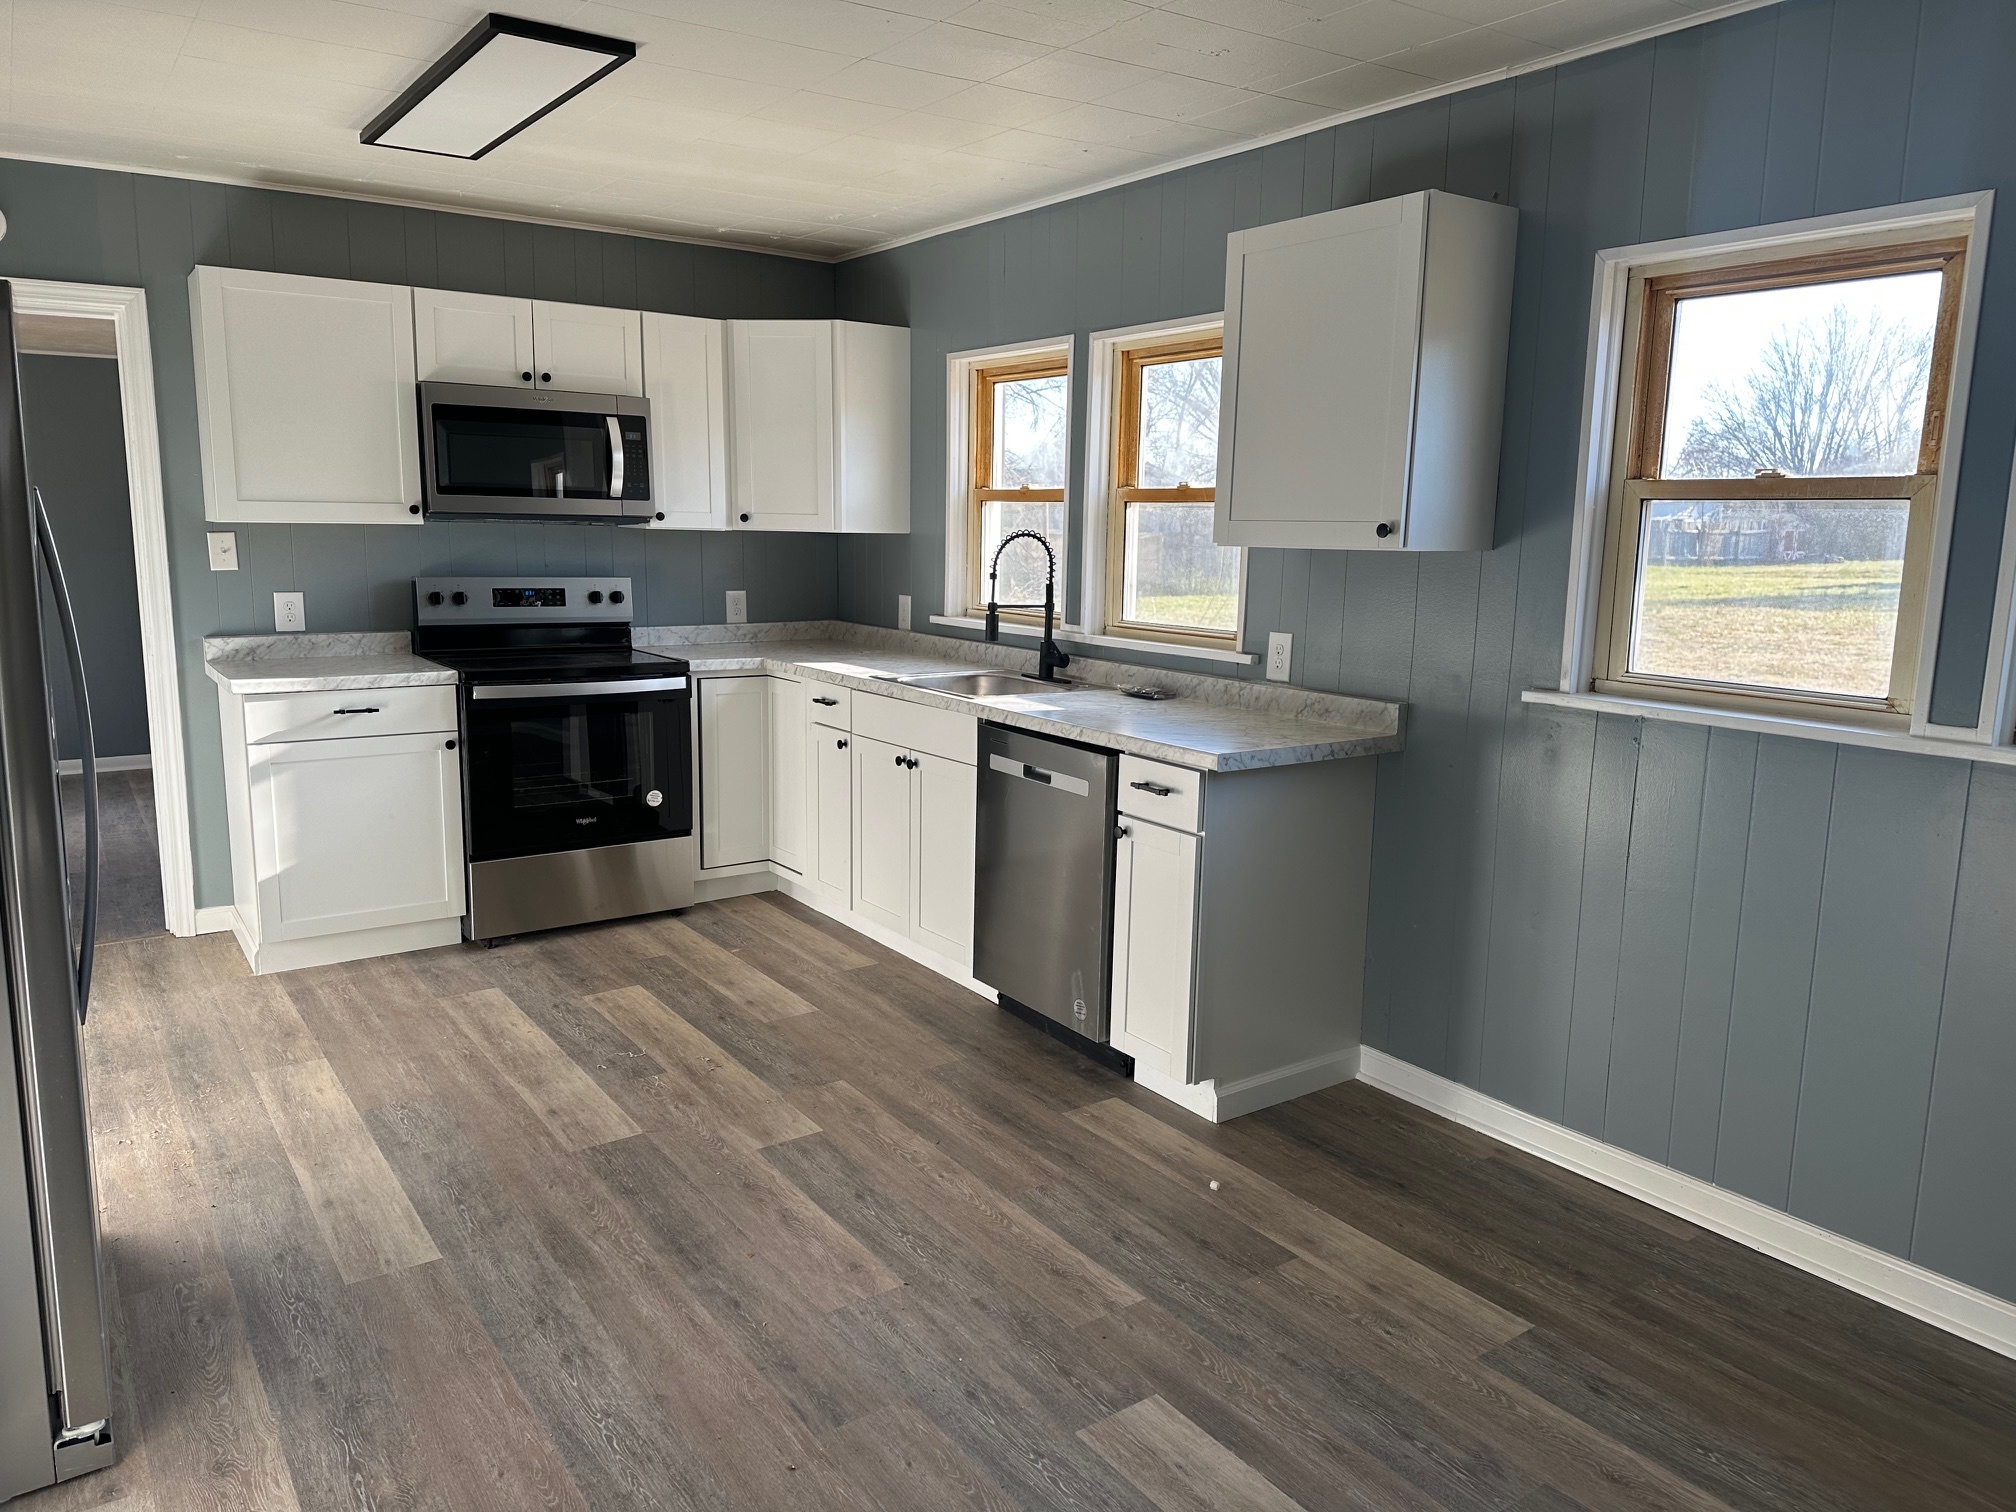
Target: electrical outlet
[902,611]
[223,550]
[289,612]
[1280,648]
[738,606]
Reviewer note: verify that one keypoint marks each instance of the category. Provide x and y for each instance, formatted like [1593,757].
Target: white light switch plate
[1280,645]
[223,550]
[902,611]
[289,612]
[738,606]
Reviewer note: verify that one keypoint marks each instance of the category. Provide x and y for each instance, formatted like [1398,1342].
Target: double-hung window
[1018,460]
[1166,579]
[1776,480]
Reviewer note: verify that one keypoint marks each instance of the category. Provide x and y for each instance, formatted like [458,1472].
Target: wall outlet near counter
[738,606]
[223,550]
[902,611]
[1280,647]
[290,612]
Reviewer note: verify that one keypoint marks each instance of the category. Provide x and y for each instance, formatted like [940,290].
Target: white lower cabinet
[789,780]
[343,845]
[882,833]
[831,826]
[914,813]
[1154,930]
[734,715]
[945,799]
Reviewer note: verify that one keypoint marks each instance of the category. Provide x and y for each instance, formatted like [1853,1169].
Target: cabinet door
[472,338]
[1154,929]
[832,825]
[685,378]
[780,419]
[882,833]
[304,399]
[946,794]
[734,770]
[871,426]
[788,780]
[355,834]
[587,349]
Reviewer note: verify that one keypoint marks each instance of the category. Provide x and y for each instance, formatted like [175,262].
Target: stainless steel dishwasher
[1043,892]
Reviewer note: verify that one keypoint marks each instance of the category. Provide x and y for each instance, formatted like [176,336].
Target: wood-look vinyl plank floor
[739,1211]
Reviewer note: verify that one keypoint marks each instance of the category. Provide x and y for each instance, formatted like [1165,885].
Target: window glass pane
[1798,595]
[1179,424]
[1023,568]
[1030,428]
[1175,574]
[1823,380]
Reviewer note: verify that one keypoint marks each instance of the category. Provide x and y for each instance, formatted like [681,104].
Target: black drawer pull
[839,745]
[826,702]
[1153,787]
[358,711]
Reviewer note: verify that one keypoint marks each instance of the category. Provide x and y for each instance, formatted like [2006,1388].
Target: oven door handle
[615,457]
[534,692]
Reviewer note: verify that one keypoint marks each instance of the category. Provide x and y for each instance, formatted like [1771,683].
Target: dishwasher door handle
[1062,781]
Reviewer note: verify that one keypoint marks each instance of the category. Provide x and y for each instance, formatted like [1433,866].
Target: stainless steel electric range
[577,751]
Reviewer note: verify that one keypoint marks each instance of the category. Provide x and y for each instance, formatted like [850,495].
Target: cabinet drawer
[829,704]
[1170,795]
[370,711]
[936,732]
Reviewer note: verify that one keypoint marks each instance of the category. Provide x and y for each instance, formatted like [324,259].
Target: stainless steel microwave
[506,453]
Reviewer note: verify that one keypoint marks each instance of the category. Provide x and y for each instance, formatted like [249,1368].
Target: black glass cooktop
[522,664]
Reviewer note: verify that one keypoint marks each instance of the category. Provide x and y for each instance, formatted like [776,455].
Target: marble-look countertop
[317,663]
[1236,727]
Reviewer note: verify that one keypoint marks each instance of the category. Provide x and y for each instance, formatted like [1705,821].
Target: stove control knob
[434,597]
[594,595]
[653,798]
[458,597]
[616,595]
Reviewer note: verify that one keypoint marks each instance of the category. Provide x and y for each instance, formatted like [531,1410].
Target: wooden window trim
[1638,480]
[1130,363]
[980,490]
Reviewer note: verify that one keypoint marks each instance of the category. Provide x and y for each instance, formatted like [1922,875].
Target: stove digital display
[528,598]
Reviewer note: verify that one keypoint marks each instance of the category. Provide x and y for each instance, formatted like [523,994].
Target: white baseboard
[953,971]
[216,920]
[1219,1100]
[75,766]
[1925,1295]
[710,887]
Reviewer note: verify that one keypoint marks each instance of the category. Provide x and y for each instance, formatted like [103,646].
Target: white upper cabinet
[685,378]
[527,343]
[1364,376]
[304,398]
[472,338]
[819,425]
[587,349]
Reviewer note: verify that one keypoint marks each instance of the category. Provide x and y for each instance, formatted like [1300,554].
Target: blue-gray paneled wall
[135,229]
[1778,965]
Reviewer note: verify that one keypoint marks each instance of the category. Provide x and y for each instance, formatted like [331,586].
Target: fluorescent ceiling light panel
[491,85]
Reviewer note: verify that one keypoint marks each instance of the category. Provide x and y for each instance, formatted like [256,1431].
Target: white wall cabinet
[588,349]
[790,778]
[1364,376]
[304,398]
[685,378]
[734,718]
[343,845]
[819,425]
[527,343]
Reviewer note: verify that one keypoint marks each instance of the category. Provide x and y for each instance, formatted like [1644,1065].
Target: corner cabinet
[304,399]
[819,426]
[1364,376]
[345,815]
[734,770]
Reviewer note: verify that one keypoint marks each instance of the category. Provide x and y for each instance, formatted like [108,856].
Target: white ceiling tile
[1359,85]
[1577,23]
[341,22]
[993,105]
[858,31]
[1261,115]
[1479,50]
[297,56]
[1174,98]
[961,52]
[886,84]
[1056,23]
[1270,18]
[735,55]
[1476,12]
[686,89]
[827,112]
[1205,50]
[1074,75]
[1375,30]
[923,129]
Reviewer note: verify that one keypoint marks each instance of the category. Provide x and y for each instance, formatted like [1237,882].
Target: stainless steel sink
[986,684]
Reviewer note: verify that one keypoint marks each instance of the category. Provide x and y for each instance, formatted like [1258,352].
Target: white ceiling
[814,126]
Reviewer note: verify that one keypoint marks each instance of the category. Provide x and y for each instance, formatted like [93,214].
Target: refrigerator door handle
[73,649]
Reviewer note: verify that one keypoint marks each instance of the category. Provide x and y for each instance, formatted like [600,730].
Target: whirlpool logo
[589,820]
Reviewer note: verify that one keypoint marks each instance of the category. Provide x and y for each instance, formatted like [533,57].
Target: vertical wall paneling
[1868,104]
[1798,110]
[1599,927]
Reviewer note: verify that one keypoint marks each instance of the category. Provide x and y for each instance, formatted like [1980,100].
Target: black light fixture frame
[479,37]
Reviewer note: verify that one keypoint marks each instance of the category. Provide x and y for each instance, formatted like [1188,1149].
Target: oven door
[550,455]
[558,767]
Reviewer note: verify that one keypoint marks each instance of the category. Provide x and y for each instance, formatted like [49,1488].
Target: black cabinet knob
[545,377]
[525,377]
[839,745]
[434,597]
[412,509]
[616,595]
[451,745]
[594,595]
[745,519]
[659,516]
[458,597]
[1382,530]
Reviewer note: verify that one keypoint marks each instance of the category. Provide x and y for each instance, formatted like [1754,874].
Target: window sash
[1126,492]
[980,473]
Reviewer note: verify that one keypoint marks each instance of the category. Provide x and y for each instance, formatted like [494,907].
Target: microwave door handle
[615,456]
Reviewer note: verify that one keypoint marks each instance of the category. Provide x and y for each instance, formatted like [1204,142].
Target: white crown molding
[1923,1294]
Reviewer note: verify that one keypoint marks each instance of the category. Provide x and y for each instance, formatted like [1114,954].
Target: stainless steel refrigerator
[55,1397]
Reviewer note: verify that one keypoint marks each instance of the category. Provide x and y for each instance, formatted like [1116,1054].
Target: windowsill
[1067,634]
[1774,724]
